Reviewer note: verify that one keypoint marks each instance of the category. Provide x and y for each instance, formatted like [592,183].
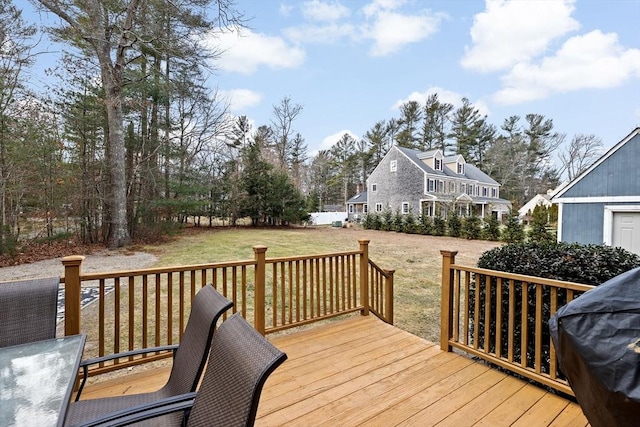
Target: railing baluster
[487,313]
[524,330]
[181,301]
[145,311]
[499,317]
[538,338]
[132,313]
[169,308]
[116,315]
[512,320]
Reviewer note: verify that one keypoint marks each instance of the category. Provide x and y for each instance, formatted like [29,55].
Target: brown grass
[416,260]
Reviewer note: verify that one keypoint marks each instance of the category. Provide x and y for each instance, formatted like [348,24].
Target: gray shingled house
[602,204]
[429,183]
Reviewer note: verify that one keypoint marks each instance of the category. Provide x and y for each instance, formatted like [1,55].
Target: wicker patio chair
[240,362]
[188,363]
[28,310]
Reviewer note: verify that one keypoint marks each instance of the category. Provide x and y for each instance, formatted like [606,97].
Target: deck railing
[149,307]
[503,318]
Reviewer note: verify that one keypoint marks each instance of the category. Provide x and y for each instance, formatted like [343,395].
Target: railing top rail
[162,270]
[524,278]
[385,273]
[316,256]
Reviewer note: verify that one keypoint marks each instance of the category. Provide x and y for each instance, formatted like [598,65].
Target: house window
[350,208]
[477,192]
[374,187]
[438,164]
[485,191]
[452,187]
[440,186]
[405,208]
[432,186]
[427,210]
[378,207]
[494,192]
[365,208]
[393,166]
[460,168]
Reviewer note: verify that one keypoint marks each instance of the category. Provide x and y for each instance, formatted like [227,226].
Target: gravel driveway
[95,263]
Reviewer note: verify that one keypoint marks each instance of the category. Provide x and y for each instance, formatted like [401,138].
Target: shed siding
[618,175]
[394,188]
[582,223]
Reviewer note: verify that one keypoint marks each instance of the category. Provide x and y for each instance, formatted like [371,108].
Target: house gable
[615,174]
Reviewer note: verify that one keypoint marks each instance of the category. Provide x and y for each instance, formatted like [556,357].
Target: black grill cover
[597,340]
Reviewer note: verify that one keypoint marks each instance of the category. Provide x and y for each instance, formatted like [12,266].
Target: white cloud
[244,53]
[330,140]
[323,34]
[316,10]
[391,31]
[377,6]
[511,32]
[286,9]
[591,61]
[444,96]
[241,99]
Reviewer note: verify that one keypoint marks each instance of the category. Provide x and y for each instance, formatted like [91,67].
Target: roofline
[604,157]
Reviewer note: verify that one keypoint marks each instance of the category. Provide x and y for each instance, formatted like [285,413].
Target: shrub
[586,264]
[454,225]
[513,232]
[409,225]
[471,227]
[426,224]
[386,220]
[439,226]
[538,231]
[491,230]
[572,262]
[397,222]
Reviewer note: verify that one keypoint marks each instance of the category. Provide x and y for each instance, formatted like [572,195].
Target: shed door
[626,231]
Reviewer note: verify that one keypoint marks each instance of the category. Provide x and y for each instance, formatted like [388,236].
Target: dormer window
[437,164]
[460,168]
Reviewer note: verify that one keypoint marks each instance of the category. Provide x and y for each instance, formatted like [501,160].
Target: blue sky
[350,63]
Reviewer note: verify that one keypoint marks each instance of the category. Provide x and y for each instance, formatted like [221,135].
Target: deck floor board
[362,372]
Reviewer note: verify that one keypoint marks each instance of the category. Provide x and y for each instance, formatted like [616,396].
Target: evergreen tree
[491,230]
[439,227]
[454,225]
[513,232]
[409,123]
[435,126]
[472,226]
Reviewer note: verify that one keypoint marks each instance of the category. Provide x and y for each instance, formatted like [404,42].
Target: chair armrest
[86,363]
[143,412]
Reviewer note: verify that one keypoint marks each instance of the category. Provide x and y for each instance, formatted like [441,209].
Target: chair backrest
[28,310]
[191,356]
[240,362]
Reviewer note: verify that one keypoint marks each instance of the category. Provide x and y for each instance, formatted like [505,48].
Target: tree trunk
[118,231]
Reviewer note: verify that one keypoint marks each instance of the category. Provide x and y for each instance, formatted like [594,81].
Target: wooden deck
[362,371]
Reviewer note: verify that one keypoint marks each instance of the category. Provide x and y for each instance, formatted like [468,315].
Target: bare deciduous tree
[580,154]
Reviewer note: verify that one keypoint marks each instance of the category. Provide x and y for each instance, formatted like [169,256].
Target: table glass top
[36,380]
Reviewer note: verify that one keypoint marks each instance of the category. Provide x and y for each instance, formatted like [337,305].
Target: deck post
[364,276]
[388,302]
[446,305]
[72,272]
[260,254]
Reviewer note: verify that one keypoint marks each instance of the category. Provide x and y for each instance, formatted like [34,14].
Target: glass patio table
[37,379]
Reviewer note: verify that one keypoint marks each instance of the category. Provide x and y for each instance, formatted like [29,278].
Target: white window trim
[431,188]
[393,166]
[378,207]
[405,204]
[437,164]
[374,187]
[607,223]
